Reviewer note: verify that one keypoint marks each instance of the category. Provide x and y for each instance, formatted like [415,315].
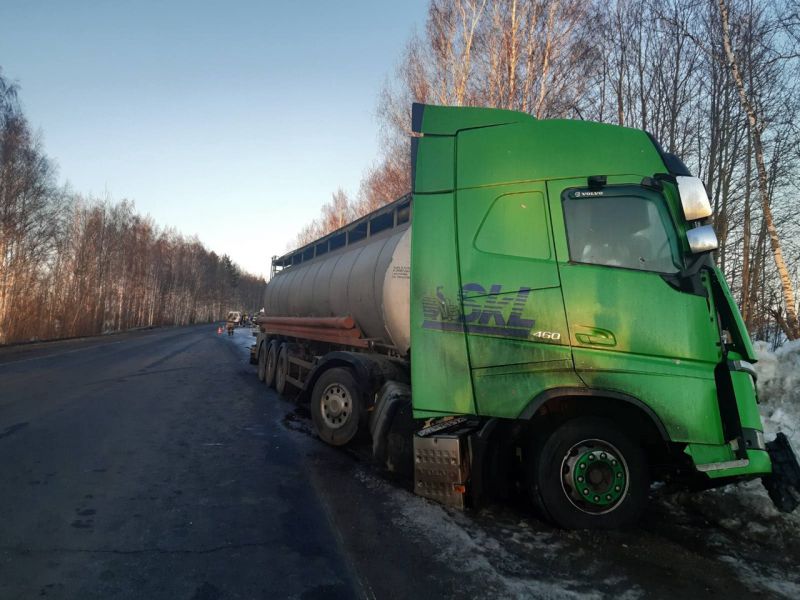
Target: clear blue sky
[197,110]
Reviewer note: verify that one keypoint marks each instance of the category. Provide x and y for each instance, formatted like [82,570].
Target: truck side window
[516,225]
[628,228]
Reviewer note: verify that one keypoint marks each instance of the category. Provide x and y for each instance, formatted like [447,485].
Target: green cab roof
[502,146]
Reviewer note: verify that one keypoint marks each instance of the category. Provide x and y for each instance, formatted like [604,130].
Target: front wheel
[589,475]
[336,406]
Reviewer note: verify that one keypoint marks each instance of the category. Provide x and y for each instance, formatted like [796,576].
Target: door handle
[594,336]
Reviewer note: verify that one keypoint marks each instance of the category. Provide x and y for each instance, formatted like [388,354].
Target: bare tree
[791,326]
[74,266]
[334,214]
[665,66]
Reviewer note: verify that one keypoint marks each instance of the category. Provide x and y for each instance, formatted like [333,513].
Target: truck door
[511,301]
[439,362]
[630,330]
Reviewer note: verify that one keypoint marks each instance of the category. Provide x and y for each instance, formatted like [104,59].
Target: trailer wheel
[336,406]
[262,361]
[282,369]
[589,475]
[271,363]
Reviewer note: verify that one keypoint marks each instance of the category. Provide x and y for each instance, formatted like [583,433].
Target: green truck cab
[541,314]
[561,277]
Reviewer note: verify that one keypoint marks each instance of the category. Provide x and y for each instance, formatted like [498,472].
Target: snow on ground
[471,546]
[772,582]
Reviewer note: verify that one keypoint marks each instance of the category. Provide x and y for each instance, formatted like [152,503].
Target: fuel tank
[368,280]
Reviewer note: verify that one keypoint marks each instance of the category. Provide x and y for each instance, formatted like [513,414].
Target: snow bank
[779,390]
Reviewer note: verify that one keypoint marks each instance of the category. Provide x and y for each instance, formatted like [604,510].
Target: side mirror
[702,239]
[694,198]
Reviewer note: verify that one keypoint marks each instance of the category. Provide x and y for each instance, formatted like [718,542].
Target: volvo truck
[541,313]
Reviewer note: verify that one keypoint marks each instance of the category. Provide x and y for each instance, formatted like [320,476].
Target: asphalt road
[155,465]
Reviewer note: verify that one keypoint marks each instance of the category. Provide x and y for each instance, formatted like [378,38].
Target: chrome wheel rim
[336,406]
[595,476]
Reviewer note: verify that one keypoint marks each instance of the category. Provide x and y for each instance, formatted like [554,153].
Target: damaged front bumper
[783,485]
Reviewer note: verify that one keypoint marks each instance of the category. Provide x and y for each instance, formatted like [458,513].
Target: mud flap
[783,485]
[390,399]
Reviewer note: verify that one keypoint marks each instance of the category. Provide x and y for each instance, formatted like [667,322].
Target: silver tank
[368,280]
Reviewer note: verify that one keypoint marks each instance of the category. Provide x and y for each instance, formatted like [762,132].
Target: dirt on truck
[556,322]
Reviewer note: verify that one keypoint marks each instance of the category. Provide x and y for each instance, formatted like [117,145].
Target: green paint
[500,309]
[607,469]
[438,358]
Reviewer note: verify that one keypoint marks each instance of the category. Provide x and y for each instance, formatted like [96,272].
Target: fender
[370,370]
[541,399]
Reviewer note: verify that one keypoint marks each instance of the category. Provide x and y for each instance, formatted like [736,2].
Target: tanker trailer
[556,324]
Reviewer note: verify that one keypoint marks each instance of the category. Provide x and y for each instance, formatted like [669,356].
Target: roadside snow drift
[779,390]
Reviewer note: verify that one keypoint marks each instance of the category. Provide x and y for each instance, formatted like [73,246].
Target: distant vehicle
[571,334]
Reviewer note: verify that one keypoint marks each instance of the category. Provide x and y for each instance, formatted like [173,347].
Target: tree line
[716,81]
[75,266]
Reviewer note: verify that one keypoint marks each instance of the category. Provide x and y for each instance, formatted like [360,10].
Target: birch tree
[790,324]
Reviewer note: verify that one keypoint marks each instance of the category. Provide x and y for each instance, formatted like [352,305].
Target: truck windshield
[623,226]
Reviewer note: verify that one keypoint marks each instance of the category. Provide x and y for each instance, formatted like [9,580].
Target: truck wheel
[271,362]
[262,361]
[282,369]
[589,475]
[336,406]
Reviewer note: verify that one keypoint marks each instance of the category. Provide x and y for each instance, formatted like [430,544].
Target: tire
[336,406]
[262,361]
[271,362]
[588,474]
[282,369]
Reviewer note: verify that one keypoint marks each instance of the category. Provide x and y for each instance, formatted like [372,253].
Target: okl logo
[491,312]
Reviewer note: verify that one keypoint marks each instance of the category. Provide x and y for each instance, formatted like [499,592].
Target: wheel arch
[579,399]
